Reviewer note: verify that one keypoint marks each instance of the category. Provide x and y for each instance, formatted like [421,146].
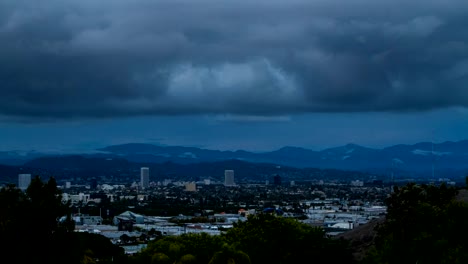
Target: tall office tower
[229,178]
[23,181]
[144,175]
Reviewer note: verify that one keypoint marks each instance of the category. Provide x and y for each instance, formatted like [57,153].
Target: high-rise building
[229,178]
[144,177]
[23,181]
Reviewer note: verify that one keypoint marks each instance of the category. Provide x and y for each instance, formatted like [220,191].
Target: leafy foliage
[424,225]
[230,255]
[201,246]
[271,239]
[160,258]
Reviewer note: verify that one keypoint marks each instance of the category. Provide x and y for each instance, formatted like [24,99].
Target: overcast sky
[255,75]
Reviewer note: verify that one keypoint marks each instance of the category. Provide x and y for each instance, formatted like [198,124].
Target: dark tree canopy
[33,230]
[268,238]
[424,224]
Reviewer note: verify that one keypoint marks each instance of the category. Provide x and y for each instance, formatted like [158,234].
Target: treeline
[424,224]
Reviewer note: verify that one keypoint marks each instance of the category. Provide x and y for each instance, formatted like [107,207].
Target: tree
[11,201]
[424,224]
[229,255]
[31,220]
[33,230]
[160,258]
[267,238]
[201,246]
[187,259]
[46,201]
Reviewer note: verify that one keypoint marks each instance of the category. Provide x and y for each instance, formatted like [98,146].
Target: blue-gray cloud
[79,59]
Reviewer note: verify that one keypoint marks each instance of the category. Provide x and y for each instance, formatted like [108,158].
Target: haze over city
[79,75]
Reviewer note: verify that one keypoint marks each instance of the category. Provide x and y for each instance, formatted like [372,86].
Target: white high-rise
[23,181]
[144,177]
[229,178]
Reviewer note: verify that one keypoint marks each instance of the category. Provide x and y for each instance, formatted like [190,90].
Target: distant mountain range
[446,158]
[418,157]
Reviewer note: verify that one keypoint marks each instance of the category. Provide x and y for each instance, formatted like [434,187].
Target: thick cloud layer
[72,59]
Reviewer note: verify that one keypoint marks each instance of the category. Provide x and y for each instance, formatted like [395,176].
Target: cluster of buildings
[189,186]
[333,215]
[337,207]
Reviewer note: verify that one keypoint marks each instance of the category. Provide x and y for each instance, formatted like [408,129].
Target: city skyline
[81,75]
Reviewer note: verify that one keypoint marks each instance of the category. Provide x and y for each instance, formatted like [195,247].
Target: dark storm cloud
[62,59]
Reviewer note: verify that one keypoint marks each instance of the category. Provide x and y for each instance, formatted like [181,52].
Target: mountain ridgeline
[446,160]
[418,157]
